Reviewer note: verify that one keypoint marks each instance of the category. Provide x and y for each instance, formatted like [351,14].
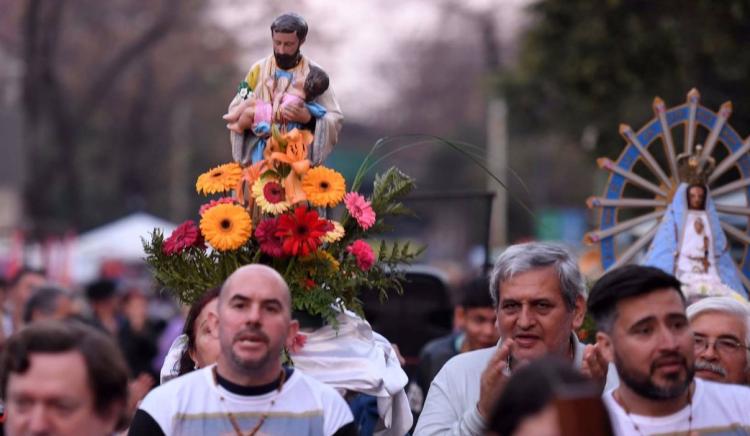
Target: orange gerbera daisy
[219,179]
[323,187]
[226,226]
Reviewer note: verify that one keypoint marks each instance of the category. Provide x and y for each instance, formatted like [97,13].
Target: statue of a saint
[690,243]
[285,90]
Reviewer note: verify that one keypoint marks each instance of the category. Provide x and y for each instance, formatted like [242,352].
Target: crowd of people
[514,367]
[97,362]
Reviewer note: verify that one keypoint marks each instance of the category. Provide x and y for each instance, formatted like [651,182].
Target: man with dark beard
[643,328]
[273,76]
[248,391]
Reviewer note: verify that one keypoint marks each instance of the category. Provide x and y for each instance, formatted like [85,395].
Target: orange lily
[249,175]
[295,156]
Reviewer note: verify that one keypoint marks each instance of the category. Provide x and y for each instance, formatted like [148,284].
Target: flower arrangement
[276,212]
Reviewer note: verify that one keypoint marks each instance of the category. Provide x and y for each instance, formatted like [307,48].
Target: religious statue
[689,242]
[284,91]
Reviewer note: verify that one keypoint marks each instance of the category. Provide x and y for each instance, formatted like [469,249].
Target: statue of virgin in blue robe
[690,244]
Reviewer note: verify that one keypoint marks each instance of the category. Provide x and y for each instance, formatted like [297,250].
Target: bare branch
[116,66]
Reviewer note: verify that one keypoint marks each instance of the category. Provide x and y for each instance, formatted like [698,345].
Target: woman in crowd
[199,344]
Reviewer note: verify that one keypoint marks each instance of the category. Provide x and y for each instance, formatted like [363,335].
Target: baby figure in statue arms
[258,115]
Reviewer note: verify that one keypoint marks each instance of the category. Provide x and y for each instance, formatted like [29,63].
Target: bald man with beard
[248,390]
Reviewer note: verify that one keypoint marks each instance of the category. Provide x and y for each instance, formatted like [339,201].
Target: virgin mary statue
[690,243]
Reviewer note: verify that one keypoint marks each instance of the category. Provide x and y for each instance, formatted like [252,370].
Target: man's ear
[293,330]
[604,343]
[579,312]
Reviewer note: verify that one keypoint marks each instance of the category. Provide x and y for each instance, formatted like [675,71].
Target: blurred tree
[586,66]
[111,92]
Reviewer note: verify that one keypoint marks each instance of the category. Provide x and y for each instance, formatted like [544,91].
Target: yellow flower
[226,226]
[335,234]
[220,179]
[269,196]
[332,262]
[321,258]
[324,187]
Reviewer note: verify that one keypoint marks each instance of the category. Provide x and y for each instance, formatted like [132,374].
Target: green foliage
[599,63]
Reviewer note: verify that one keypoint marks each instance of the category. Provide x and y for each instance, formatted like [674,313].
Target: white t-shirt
[718,409]
[191,405]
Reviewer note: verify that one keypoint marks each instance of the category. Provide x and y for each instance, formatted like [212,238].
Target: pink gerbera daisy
[360,209]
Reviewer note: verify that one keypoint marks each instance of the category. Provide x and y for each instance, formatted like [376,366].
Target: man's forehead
[728,323]
[255,284]
[52,372]
[658,304]
[532,284]
[285,36]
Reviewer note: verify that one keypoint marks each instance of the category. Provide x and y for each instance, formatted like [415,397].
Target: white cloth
[718,409]
[451,404]
[355,358]
[170,367]
[191,405]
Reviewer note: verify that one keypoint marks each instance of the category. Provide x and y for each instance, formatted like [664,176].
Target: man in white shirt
[644,330]
[538,292]
[248,391]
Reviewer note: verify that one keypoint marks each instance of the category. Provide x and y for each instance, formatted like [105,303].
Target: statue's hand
[297,113]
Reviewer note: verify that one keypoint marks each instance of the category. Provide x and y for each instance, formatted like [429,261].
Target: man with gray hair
[538,293]
[721,329]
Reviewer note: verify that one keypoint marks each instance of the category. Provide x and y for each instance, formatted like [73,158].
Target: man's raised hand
[594,364]
[494,379]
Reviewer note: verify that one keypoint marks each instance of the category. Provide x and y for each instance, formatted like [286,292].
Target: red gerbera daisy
[301,231]
[186,235]
[265,233]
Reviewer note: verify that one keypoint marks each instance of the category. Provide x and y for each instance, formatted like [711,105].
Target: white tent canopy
[119,240]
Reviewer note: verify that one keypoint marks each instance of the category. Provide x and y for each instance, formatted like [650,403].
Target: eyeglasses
[721,345]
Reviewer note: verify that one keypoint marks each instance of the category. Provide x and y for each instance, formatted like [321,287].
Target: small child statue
[258,115]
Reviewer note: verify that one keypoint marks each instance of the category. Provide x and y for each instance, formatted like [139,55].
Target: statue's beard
[287,61]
